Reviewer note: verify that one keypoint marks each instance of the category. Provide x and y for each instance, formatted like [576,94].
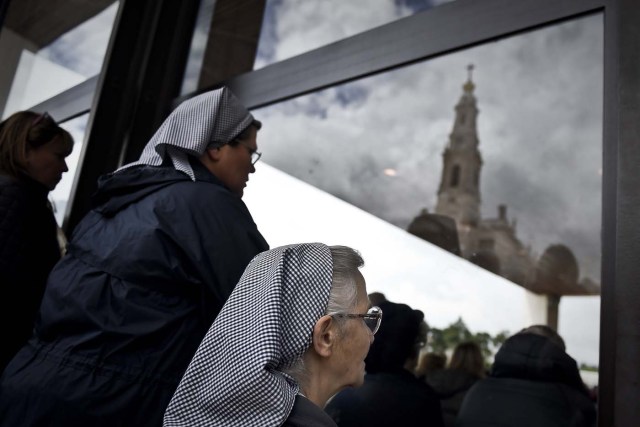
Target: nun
[146,272]
[294,332]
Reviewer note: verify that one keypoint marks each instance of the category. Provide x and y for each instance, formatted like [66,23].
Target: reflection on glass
[45,53]
[60,196]
[500,163]
[290,28]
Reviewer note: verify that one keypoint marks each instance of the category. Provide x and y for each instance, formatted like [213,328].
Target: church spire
[459,192]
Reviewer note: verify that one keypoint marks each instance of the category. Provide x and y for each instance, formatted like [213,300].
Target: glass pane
[357,164]
[48,48]
[60,195]
[290,28]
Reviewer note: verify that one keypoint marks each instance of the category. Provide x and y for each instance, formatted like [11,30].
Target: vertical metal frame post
[142,73]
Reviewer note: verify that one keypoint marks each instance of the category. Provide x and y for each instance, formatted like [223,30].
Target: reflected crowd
[531,382]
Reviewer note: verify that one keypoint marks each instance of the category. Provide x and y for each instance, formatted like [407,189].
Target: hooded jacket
[450,385]
[533,383]
[145,274]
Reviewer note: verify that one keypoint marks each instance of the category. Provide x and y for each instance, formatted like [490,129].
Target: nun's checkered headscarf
[213,118]
[235,377]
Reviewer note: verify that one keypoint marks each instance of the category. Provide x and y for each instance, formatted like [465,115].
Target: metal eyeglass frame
[255,155]
[372,318]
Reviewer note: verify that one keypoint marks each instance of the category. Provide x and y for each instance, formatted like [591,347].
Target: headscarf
[236,377]
[212,118]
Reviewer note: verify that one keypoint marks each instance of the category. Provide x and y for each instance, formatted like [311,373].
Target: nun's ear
[213,153]
[325,336]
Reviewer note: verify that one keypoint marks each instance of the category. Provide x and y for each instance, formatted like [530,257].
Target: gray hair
[343,296]
[344,292]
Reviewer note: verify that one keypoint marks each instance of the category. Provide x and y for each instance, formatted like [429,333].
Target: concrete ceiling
[42,21]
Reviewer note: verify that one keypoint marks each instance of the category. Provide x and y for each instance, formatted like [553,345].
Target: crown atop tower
[469,86]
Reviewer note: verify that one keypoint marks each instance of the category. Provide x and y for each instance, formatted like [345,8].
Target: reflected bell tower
[459,192]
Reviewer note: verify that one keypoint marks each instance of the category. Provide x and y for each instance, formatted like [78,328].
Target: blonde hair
[467,357]
[22,131]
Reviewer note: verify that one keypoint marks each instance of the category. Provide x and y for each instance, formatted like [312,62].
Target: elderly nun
[294,332]
[146,273]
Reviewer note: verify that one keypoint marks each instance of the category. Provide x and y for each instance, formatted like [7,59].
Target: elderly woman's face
[355,342]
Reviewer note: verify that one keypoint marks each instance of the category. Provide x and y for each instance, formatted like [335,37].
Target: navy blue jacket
[387,399]
[28,251]
[533,383]
[147,271]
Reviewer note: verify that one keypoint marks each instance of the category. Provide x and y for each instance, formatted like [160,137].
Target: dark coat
[146,272]
[387,399]
[305,413]
[28,251]
[533,383]
[451,386]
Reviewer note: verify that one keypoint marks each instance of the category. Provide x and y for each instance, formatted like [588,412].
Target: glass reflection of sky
[539,96]
[60,196]
[82,49]
[292,27]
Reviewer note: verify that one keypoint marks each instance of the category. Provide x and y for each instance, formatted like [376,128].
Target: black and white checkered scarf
[235,377]
[215,117]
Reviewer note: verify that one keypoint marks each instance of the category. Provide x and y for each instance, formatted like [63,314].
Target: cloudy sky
[539,96]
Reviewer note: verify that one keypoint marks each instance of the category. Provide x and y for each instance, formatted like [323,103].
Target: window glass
[292,27]
[360,163]
[60,195]
[50,47]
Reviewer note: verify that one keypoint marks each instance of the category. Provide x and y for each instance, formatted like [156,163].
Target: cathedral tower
[459,192]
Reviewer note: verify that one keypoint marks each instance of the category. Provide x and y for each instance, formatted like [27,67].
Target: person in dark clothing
[451,384]
[430,362]
[391,394]
[33,149]
[146,272]
[294,332]
[533,383]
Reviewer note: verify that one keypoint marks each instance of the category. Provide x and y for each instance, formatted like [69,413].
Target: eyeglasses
[255,155]
[372,319]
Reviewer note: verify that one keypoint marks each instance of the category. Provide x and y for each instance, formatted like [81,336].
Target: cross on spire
[469,86]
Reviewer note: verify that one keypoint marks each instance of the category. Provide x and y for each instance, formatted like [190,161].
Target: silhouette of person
[33,149]
[533,382]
